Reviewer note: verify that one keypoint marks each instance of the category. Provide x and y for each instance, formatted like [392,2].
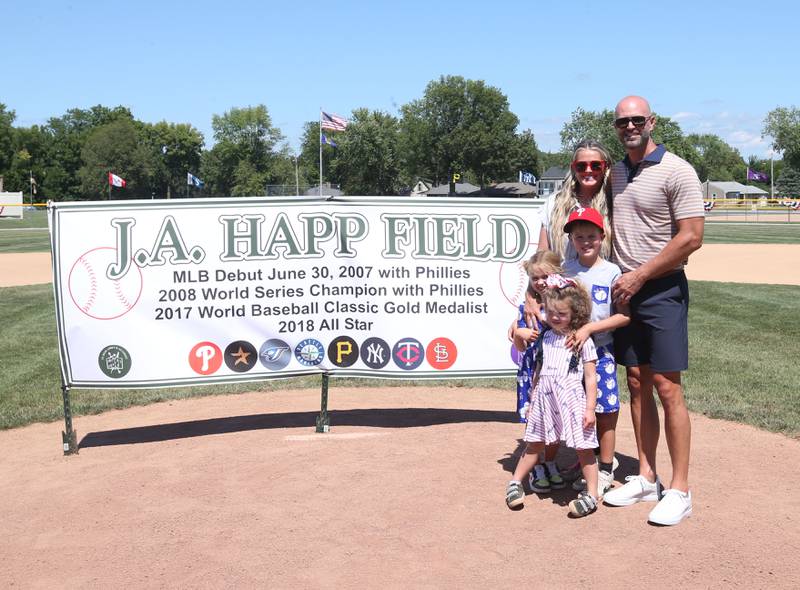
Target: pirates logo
[309,352]
[343,351]
[408,354]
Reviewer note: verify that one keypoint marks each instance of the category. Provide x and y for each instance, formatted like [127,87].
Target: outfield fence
[763,209]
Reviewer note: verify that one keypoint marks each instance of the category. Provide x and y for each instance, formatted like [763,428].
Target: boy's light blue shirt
[598,280]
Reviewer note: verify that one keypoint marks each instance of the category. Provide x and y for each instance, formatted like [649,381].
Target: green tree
[524,154]
[120,147]
[367,160]
[308,160]
[717,160]
[560,159]
[783,125]
[458,125]
[66,137]
[180,146]
[243,160]
[599,126]
[787,186]
[6,138]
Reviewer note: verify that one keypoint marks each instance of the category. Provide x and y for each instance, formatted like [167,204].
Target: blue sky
[716,67]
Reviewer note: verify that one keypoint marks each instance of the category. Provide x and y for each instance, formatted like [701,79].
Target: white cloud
[684,115]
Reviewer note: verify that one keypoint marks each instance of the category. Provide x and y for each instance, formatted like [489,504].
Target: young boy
[585,229]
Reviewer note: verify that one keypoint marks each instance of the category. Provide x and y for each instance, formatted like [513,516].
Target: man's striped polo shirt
[648,199]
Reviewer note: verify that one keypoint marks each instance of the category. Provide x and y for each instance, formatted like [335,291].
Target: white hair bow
[556,281]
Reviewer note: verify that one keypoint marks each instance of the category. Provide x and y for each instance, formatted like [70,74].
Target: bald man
[657,221]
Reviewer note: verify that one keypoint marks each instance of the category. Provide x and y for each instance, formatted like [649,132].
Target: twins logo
[408,354]
[309,352]
[95,294]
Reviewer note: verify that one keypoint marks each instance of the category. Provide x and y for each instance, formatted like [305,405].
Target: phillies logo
[205,358]
[408,354]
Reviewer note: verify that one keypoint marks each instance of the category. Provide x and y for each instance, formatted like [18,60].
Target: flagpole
[108,179]
[320,152]
[772,174]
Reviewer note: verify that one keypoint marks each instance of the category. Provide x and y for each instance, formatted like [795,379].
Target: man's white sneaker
[636,489]
[673,508]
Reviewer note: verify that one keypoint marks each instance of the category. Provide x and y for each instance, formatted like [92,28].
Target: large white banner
[182,292]
[11,204]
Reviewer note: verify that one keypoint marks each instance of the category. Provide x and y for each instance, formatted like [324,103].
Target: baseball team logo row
[275,354]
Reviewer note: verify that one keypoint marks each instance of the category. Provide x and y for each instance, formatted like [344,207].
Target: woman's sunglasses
[594,166]
[638,122]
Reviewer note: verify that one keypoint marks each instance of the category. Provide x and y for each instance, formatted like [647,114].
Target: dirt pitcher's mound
[406,491]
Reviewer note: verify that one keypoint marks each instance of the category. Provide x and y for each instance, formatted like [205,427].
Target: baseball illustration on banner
[95,294]
[514,279]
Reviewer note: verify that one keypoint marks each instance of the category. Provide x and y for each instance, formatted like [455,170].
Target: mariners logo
[343,351]
[408,354]
[240,356]
[441,353]
[309,352]
[275,354]
[375,353]
[114,361]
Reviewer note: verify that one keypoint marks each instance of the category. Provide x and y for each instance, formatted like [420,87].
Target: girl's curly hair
[579,302]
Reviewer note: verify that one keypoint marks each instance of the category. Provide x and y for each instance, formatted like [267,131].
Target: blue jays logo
[600,294]
[275,354]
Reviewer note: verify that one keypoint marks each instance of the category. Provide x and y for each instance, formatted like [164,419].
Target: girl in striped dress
[561,409]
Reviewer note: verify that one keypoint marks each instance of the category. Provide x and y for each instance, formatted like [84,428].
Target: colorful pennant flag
[115,180]
[333,122]
[327,141]
[192,180]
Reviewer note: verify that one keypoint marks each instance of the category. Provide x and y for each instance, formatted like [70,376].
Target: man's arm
[688,239]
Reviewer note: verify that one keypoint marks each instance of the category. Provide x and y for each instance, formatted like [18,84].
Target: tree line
[457,126]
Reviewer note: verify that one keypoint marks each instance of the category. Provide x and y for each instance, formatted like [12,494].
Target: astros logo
[205,358]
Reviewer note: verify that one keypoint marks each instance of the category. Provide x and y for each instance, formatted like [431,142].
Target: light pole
[296,176]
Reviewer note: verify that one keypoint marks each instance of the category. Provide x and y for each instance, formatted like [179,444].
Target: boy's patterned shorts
[607,387]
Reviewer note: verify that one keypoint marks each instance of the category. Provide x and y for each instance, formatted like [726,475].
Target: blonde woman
[586,185]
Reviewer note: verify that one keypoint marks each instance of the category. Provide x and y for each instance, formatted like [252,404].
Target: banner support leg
[323,421]
[68,436]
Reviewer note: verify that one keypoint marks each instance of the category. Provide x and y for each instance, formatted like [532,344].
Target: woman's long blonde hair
[567,197]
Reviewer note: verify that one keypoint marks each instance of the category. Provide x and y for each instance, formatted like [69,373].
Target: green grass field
[28,234]
[742,369]
[720,232]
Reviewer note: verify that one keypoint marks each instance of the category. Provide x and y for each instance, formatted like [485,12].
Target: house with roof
[717,189]
[463,189]
[552,180]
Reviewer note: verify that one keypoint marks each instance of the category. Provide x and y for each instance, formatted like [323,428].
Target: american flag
[333,122]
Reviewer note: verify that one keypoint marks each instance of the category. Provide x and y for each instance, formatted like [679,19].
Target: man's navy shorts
[658,334]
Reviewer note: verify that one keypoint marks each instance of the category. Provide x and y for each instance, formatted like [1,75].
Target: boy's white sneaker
[636,489]
[673,508]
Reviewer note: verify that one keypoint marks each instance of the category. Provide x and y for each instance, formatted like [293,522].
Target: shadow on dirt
[375,417]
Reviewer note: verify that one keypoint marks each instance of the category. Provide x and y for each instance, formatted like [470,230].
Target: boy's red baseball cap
[586,214]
